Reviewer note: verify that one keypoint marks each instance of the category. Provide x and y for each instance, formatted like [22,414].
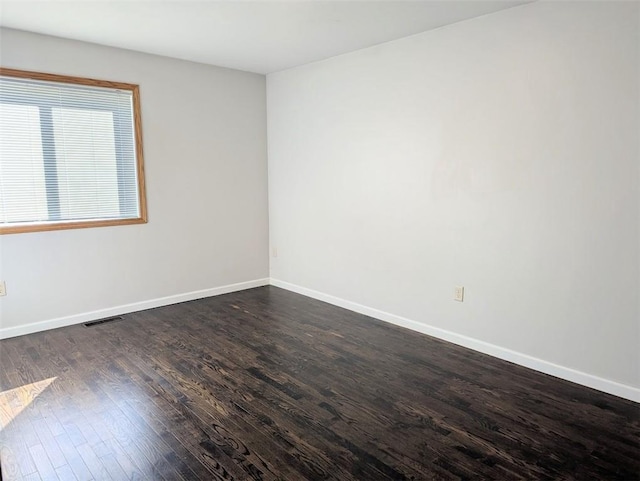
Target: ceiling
[256,36]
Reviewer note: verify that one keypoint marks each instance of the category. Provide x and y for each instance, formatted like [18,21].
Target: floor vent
[101,321]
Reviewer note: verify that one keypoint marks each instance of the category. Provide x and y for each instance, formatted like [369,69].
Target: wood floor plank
[74,460]
[269,385]
[65,473]
[45,469]
[93,462]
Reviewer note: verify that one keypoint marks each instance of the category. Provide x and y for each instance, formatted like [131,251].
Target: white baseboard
[127,308]
[578,377]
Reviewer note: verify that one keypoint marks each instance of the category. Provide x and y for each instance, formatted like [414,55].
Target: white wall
[204,131]
[499,153]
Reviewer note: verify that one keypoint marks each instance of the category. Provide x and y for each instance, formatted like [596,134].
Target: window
[70,153]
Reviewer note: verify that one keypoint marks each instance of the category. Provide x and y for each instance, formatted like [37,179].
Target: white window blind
[68,154]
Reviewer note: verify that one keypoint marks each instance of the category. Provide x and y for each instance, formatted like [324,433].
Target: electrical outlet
[3,288]
[458,294]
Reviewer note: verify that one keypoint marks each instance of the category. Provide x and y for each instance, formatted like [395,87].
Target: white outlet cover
[458,294]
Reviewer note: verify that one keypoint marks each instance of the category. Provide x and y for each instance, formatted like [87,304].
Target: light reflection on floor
[14,401]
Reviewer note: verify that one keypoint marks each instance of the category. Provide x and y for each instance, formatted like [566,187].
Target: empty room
[319,240]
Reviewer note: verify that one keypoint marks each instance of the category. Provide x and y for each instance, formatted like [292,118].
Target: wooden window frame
[137,131]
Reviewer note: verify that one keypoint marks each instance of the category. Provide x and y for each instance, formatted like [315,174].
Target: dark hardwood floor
[265,384]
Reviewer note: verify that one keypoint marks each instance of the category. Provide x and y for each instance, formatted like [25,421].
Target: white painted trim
[578,377]
[127,308]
